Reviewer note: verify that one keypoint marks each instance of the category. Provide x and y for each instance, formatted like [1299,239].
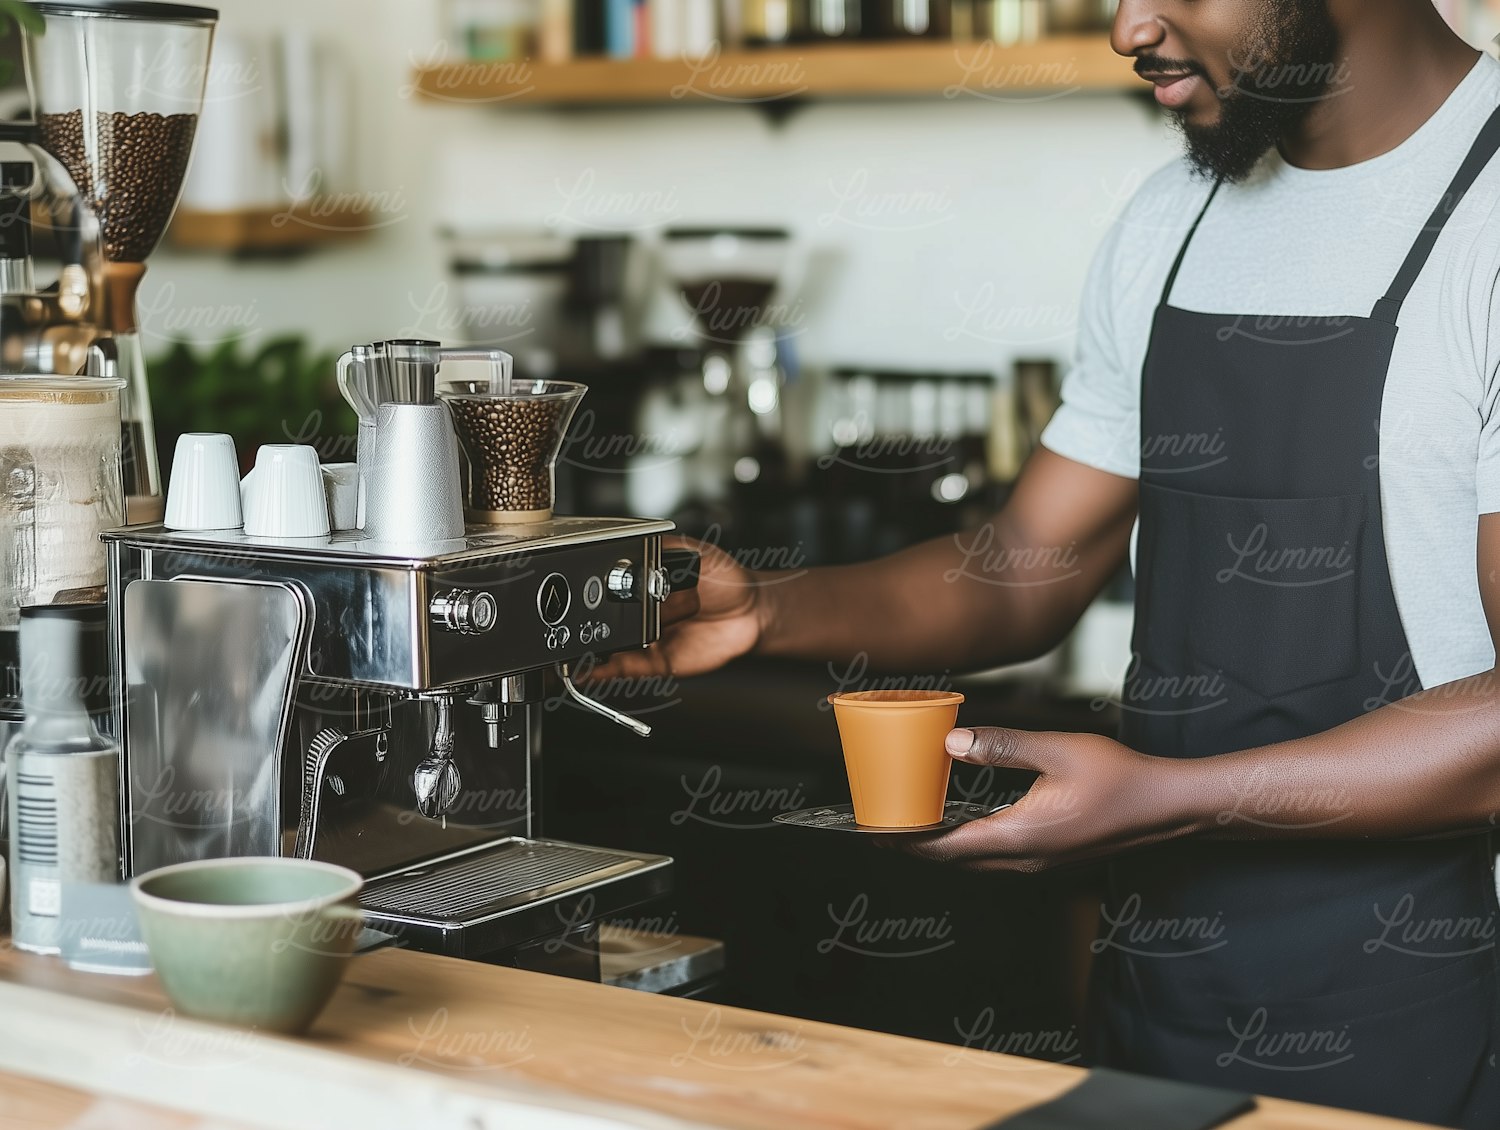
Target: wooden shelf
[1047,68]
[287,228]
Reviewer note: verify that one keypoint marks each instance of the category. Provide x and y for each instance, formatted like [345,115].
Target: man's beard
[1280,75]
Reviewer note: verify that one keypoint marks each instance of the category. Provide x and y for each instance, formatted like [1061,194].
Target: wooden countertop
[415,1040]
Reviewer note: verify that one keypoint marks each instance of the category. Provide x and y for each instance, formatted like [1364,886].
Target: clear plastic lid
[43,387]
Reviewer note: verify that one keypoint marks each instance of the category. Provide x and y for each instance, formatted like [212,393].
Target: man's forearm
[1427,765]
[1005,592]
[868,610]
[973,600]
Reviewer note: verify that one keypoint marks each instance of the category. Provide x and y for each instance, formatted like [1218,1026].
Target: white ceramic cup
[341,481]
[283,495]
[204,493]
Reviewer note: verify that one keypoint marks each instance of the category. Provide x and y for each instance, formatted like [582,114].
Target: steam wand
[635,725]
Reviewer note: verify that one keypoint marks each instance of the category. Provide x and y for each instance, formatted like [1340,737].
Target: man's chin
[1201,120]
[1219,154]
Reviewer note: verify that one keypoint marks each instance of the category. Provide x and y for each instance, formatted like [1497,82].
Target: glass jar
[766,22]
[915,19]
[494,30]
[1009,22]
[832,19]
[60,485]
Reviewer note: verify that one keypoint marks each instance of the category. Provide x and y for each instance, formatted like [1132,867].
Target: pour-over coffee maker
[728,278]
[116,87]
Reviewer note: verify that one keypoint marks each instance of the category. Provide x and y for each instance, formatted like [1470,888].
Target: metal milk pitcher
[411,470]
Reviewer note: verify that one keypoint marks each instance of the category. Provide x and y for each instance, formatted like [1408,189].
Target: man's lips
[1173,88]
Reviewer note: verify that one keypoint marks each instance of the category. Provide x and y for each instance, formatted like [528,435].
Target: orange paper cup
[893,751]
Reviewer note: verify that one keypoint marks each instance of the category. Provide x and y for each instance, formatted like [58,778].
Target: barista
[1286,384]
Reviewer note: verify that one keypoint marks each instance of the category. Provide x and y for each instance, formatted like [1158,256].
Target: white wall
[942,234]
[947,233]
[352,292]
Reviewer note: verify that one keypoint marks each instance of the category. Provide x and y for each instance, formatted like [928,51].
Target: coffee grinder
[116,87]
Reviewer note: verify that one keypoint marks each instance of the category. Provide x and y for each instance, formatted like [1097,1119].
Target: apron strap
[1166,291]
[1486,145]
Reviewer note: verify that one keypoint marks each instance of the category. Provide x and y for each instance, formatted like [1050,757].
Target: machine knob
[468,613]
[658,585]
[621,582]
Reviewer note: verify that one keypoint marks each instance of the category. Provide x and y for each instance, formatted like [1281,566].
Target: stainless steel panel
[370,617]
[209,671]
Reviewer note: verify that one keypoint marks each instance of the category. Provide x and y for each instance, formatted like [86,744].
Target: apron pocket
[1267,589]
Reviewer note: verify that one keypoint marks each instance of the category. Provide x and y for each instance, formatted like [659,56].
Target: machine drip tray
[507,893]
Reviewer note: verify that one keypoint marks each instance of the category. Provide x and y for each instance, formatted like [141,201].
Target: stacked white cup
[284,495]
[204,493]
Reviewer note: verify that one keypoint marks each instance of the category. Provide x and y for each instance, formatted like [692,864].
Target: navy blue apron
[1353,973]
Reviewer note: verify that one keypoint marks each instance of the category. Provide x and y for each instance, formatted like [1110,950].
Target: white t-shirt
[1292,242]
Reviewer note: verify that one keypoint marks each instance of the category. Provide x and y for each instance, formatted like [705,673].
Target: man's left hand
[1094,797]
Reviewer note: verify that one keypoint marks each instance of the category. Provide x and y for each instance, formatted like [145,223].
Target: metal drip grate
[485,883]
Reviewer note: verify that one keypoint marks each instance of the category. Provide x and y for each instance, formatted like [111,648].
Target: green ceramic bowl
[258,942]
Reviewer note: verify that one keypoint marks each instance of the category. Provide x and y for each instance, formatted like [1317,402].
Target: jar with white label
[60,485]
[62,775]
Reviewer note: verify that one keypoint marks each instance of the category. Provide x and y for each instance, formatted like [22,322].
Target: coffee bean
[510,445]
[129,173]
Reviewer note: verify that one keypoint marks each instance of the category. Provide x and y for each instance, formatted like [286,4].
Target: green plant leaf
[23,15]
[281,393]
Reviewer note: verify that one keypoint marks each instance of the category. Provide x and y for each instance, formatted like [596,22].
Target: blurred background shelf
[290,227]
[1049,66]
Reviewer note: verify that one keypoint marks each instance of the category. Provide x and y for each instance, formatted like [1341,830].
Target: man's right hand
[1006,591]
[726,625]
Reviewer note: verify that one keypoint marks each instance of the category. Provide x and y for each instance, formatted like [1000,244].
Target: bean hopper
[116,87]
[379,702]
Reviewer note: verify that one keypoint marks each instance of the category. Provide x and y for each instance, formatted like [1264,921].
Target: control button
[464,612]
[484,611]
[593,631]
[622,584]
[658,585]
[553,598]
[593,592]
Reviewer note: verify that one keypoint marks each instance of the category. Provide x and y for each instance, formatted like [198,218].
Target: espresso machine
[378,702]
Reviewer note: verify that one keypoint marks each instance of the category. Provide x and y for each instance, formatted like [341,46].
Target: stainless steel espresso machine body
[379,705]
